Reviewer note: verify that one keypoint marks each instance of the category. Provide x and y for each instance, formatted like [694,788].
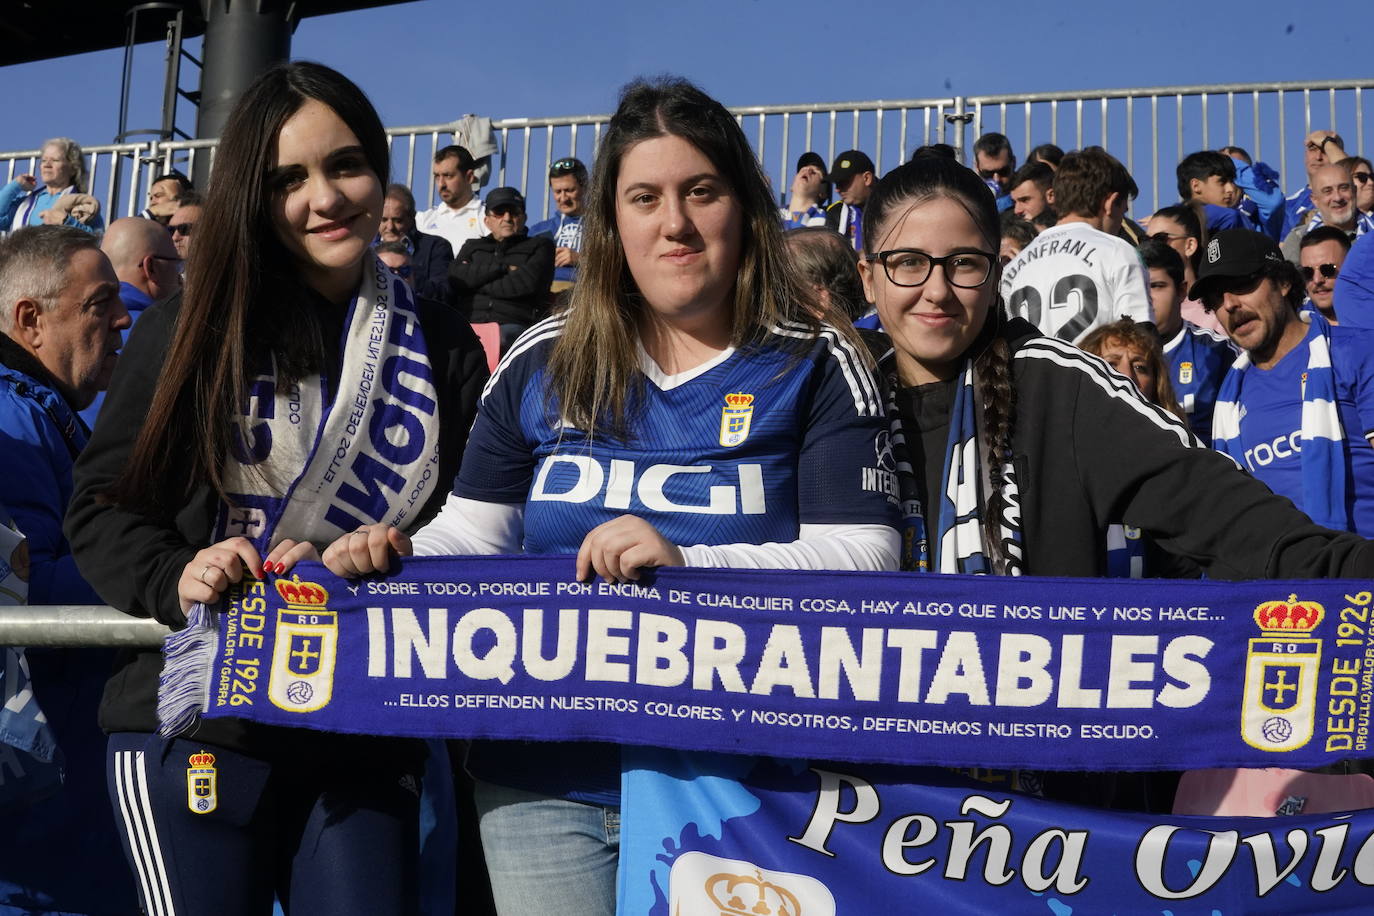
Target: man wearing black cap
[503,277]
[852,175]
[810,190]
[1297,407]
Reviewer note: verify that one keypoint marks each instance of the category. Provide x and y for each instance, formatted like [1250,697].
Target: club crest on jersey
[1185,373]
[307,639]
[1278,709]
[735,418]
[202,789]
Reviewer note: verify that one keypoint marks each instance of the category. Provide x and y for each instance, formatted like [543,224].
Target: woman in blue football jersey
[687,409]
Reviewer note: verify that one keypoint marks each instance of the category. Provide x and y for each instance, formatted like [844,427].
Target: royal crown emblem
[750,895]
[303,652]
[1278,708]
[735,418]
[706,885]
[300,594]
[1288,618]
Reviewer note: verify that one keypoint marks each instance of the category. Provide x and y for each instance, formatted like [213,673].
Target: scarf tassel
[184,688]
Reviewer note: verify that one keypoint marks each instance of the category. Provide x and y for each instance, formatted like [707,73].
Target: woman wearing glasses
[603,433]
[62,171]
[1062,447]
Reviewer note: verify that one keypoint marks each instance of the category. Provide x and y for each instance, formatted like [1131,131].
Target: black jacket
[429,264]
[505,282]
[1089,452]
[134,560]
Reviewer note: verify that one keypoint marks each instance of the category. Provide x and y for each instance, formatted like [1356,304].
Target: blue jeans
[548,855]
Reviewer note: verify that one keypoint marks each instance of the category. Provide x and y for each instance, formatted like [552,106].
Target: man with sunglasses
[1320,258]
[504,276]
[568,185]
[1297,408]
[995,163]
[183,222]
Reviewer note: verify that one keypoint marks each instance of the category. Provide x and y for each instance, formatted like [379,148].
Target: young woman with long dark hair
[295,391]
[603,433]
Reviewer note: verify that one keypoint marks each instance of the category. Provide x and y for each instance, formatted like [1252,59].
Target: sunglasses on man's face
[1328,271]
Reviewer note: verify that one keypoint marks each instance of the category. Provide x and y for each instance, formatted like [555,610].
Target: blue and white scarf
[1324,487]
[960,531]
[1364,222]
[314,470]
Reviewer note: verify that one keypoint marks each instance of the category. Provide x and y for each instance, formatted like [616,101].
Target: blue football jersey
[1198,360]
[1271,421]
[743,449]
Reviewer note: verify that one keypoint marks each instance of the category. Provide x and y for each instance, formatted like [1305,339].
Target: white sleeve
[1133,289]
[857,547]
[466,527]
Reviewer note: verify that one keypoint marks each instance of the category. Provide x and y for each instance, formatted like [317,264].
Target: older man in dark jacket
[430,255]
[503,277]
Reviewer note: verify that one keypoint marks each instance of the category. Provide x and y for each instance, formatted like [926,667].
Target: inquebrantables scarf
[312,467]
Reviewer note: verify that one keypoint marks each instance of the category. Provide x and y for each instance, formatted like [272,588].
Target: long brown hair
[593,368]
[928,178]
[243,296]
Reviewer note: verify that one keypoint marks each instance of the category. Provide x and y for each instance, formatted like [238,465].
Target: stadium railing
[1149,129]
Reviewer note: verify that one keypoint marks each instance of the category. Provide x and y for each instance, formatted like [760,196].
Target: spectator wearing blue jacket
[568,184]
[63,174]
[1322,147]
[60,314]
[1263,201]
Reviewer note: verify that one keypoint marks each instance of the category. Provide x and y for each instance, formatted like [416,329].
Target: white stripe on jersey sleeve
[861,383]
[549,327]
[1117,387]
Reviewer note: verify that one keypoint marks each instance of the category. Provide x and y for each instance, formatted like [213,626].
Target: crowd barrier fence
[1149,129]
[77,627]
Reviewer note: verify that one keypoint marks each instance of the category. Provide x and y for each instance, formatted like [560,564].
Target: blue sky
[431,61]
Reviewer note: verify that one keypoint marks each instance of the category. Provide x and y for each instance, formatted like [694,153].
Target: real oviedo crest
[1278,710]
[735,417]
[307,639]
[202,789]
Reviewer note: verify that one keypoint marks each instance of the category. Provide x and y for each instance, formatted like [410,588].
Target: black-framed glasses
[1166,238]
[505,209]
[1328,271]
[180,228]
[1362,177]
[912,267]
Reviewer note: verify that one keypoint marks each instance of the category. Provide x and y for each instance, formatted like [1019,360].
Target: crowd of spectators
[1247,307]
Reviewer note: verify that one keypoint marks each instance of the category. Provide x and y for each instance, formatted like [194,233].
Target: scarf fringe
[184,689]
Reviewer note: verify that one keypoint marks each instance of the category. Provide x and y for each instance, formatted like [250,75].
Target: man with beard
[458,217]
[1333,198]
[1297,407]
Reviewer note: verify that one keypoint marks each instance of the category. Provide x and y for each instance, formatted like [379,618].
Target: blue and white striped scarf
[1363,222]
[1324,486]
[960,510]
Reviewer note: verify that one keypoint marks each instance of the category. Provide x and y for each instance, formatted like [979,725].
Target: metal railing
[1149,129]
[77,626]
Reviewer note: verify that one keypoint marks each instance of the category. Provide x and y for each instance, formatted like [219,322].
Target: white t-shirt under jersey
[1073,278]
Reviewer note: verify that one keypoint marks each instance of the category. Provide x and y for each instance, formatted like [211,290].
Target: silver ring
[207,568]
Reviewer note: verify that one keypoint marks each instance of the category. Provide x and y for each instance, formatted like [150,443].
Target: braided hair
[929,178]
